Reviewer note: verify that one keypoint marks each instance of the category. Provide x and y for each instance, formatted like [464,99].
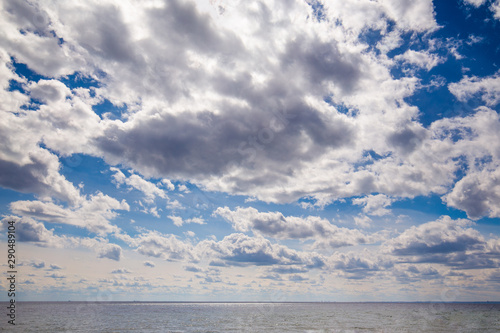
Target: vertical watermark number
[11,273]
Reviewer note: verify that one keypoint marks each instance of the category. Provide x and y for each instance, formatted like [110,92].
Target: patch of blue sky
[93,172]
[79,80]
[7,196]
[109,110]
[465,23]
[429,205]
[318,9]
[24,71]
[340,107]
[369,157]
[437,103]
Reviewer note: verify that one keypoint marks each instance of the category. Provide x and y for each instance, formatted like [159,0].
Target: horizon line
[262,302]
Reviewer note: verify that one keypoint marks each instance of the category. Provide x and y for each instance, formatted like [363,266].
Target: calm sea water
[254,317]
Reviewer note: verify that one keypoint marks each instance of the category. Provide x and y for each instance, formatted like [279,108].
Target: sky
[233,150]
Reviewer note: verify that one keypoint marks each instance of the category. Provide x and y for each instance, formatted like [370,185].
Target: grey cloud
[274,224]
[157,245]
[102,32]
[93,214]
[40,264]
[478,194]
[323,62]
[192,268]
[110,251]
[444,241]
[29,230]
[411,274]
[203,144]
[36,177]
[275,277]
[297,278]
[494,277]
[407,139]
[149,264]
[180,23]
[56,276]
[242,250]
[288,269]
[358,266]
[29,15]
[437,237]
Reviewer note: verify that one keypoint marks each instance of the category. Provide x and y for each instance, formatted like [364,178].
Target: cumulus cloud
[110,251]
[444,241]
[495,8]
[30,230]
[158,245]
[487,88]
[38,264]
[239,249]
[179,221]
[374,204]
[478,194]
[475,3]
[410,273]
[276,225]
[149,264]
[422,59]
[93,214]
[150,190]
[358,265]
[56,276]
[441,236]
[168,184]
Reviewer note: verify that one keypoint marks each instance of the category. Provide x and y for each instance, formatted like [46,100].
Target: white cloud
[110,251]
[174,204]
[168,183]
[495,8]
[374,204]
[274,224]
[183,188]
[179,221]
[30,230]
[239,249]
[158,245]
[488,88]
[478,194]
[358,265]
[412,15]
[475,3]
[93,214]
[150,190]
[149,264]
[422,59]
[444,241]
[362,221]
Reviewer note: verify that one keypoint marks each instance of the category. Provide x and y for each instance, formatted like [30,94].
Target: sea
[253,317]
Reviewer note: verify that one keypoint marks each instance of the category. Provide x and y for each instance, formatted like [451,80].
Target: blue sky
[238,150]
